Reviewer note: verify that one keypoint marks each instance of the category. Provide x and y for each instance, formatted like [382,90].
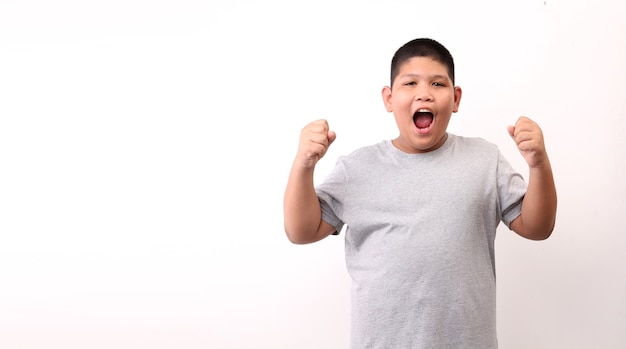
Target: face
[422,100]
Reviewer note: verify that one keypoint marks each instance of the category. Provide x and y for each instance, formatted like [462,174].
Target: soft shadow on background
[145,146]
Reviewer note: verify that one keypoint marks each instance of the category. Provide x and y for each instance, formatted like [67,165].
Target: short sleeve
[331,194]
[511,190]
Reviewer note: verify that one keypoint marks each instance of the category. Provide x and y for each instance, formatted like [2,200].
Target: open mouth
[423,118]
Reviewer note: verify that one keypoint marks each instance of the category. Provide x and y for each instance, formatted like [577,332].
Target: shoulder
[473,144]
[366,153]
[477,142]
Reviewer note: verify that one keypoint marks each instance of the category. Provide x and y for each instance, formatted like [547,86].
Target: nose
[423,93]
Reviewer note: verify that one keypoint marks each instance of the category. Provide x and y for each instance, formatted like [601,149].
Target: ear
[457,98]
[386,93]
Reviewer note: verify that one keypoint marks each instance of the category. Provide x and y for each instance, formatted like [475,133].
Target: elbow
[305,236]
[549,231]
[541,234]
[297,239]
[536,232]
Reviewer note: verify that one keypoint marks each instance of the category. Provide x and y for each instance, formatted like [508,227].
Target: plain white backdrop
[145,146]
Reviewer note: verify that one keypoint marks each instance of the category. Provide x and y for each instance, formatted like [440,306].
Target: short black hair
[422,47]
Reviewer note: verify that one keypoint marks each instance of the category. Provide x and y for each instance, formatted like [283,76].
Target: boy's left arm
[538,216]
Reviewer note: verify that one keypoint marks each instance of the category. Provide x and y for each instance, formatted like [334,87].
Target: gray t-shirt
[419,241]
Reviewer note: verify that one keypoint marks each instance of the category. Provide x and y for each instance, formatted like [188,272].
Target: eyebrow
[437,76]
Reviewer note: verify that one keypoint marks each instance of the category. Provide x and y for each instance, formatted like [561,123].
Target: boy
[421,211]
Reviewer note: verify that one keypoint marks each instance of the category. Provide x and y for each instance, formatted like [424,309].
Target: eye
[410,83]
[440,84]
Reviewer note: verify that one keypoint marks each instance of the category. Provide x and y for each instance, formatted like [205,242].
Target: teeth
[424,111]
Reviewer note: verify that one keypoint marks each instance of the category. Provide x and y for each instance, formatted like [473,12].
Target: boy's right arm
[302,212]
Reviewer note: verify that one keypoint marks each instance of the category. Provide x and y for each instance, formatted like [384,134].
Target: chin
[432,143]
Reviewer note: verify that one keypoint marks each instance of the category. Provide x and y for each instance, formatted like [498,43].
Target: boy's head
[422,47]
[422,95]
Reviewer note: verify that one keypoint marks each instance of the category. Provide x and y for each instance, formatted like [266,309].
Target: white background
[145,146]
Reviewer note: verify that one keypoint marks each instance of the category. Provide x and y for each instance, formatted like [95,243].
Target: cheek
[405,105]
[449,101]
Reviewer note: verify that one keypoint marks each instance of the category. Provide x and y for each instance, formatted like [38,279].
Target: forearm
[302,213]
[539,206]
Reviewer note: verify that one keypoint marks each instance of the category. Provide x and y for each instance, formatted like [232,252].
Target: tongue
[423,120]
